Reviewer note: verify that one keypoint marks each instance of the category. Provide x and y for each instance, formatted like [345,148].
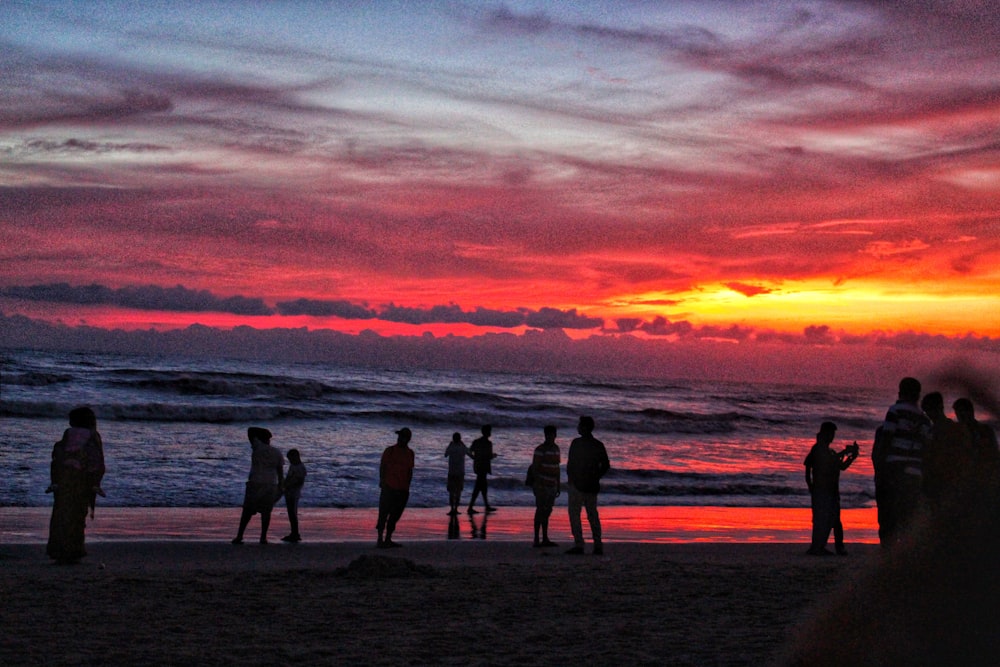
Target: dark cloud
[552,318]
[661,326]
[748,290]
[820,335]
[732,332]
[627,324]
[873,363]
[149,297]
[181,299]
[323,308]
[450,314]
[544,318]
[85,146]
[509,21]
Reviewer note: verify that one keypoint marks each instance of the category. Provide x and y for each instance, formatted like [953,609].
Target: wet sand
[651,524]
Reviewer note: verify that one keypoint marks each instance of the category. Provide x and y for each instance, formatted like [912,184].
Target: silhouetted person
[932,600]
[897,458]
[394,477]
[948,457]
[982,436]
[586,464]
[294,481]
[456,453]
[482,455]
[823,466]
[75,474]
[545,466]
[263,488]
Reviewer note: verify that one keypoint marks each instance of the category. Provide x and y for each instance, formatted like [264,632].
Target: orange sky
[818,171]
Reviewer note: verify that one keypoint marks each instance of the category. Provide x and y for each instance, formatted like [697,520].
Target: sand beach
[429,603]
[435,601]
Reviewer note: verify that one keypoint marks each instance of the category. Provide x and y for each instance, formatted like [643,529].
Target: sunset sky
[809,171]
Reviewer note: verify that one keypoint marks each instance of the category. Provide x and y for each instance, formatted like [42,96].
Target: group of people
[921,458]
[586,464]
[268,482]
[924,459]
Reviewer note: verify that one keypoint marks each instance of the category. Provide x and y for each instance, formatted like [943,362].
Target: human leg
[292,505]
[455,484]
[594,519]
[838,529]
[479,487]
[265,523]
[383,515]
[486,500]
[539,512]
[399,500]
[575,504]
[548,500]
[245,516]
[822,508]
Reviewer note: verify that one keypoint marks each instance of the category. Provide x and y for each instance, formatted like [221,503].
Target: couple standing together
[586,463]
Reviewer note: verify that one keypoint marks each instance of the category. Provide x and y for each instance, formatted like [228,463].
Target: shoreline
[620,523]
[649,599]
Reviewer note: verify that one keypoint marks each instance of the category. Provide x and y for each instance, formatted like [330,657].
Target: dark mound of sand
[384,567]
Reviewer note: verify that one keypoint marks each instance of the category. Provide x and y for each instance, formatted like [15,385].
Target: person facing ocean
[897,458]
[546,487]
[294,481]
[263,487]
[482,455]
[455,453]
[394,476]
[982,436]
[75,473]
[586,463]
[948,461]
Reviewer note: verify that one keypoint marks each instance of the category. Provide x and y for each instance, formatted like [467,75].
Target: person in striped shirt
[545,467]
[898,461]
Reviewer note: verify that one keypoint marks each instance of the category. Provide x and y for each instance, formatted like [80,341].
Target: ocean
[174,430]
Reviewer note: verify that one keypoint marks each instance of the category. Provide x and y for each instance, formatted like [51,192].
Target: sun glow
[860,307]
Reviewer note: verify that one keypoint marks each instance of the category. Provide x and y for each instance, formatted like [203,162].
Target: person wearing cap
[263,488]
[823,466]
[394,476]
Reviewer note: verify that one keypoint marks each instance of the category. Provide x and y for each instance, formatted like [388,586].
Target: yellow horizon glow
[858,308]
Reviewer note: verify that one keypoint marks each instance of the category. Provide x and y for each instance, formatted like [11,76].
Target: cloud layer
[670,169]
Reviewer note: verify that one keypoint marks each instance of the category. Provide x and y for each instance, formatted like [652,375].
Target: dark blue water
[175,429]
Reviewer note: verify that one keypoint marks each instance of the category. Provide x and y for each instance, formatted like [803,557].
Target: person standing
[294,481]
[263,488]
[455,453]
[75,480]
[586,464]
[394,476]
[982,436]
[545,471]
[948,463]
[823,466]
[897,458]
[482,455]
